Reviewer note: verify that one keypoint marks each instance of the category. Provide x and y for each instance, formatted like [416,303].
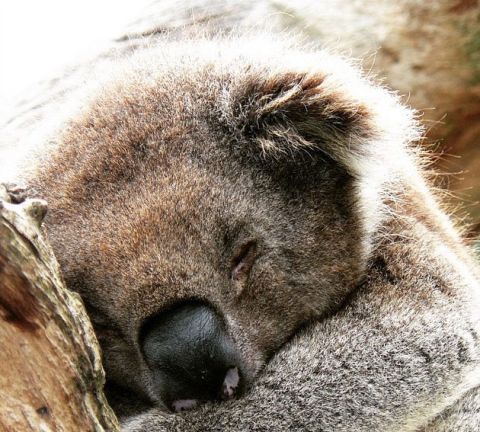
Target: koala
[224,203]
[198,244]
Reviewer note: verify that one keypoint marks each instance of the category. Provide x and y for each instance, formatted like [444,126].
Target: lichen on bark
[51,376]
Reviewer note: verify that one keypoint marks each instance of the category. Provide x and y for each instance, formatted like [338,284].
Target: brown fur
[195,151]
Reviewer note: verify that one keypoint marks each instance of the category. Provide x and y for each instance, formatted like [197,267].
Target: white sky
[39,37]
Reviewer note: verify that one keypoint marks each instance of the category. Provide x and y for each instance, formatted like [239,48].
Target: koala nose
[191,356]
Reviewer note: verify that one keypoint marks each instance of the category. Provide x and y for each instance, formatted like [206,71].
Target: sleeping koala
[198,243]
[216,197]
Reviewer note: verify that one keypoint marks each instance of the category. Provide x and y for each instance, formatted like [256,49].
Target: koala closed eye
[241,265]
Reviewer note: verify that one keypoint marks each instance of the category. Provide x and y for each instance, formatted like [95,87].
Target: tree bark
[51,376]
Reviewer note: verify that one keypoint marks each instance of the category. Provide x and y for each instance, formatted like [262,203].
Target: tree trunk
[51,376]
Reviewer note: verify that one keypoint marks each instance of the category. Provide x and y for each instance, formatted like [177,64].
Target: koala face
[200,212]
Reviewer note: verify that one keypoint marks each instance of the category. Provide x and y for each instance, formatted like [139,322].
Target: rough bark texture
[51,377]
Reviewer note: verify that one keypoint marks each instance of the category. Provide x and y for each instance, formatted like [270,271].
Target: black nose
[191,356]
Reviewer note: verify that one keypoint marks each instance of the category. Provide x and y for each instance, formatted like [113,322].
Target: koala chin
[215,196]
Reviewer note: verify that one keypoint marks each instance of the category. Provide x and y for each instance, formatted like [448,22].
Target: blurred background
[38,39]
[428,51]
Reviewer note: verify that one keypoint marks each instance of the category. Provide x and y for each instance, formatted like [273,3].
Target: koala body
[248,188]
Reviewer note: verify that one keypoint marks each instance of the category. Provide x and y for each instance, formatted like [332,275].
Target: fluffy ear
[334,111]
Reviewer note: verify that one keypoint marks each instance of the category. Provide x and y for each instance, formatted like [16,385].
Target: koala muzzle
[191,357]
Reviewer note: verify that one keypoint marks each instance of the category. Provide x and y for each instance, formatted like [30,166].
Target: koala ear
[334,111]
[328,108]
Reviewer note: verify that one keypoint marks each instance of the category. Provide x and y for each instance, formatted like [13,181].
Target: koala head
[212,199]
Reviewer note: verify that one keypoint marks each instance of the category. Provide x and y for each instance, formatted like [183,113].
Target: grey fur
[318,164]
[402,356]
